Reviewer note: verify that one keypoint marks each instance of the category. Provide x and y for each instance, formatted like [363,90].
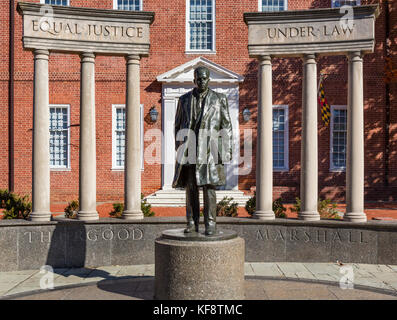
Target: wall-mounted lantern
[246,114]
[153,114]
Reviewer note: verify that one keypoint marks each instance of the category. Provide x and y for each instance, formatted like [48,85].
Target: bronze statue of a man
[203,140]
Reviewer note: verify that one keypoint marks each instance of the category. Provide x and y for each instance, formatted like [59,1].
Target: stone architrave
[320,31]
[76,29]
[88,32]
[308,34]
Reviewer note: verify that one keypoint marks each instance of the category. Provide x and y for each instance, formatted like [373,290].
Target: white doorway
[176,83]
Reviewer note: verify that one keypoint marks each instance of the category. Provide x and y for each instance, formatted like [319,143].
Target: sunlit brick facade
[170,49]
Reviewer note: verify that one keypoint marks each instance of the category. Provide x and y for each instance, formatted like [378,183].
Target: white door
[171,94]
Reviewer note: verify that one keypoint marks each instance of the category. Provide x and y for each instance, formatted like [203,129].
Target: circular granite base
[193,266]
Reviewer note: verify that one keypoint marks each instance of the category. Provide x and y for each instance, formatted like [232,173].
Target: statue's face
[201,79]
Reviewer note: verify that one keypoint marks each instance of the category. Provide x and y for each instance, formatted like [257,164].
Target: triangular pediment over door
[177,82]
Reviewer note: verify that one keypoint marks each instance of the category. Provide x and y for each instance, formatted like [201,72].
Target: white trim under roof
[219,74]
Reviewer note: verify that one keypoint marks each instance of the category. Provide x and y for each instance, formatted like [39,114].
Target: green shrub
[71,209]
[296,206]
[326,208]
[146,207]
[16,207]
[226,208]
[250,205]
[277,207]
[118,209]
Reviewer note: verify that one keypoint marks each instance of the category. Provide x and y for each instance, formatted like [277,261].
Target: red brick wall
[167,52]
[4,82]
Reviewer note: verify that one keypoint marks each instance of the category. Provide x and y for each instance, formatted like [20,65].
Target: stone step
[176,198]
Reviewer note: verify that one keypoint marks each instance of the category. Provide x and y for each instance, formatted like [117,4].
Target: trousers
[192,199]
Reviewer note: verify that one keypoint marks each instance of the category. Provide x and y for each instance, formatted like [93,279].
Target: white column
[132,162]
[355,142]
[41,140]
[309,149]
[87,181]
[264,153]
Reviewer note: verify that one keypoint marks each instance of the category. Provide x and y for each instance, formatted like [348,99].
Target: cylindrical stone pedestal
[198,267]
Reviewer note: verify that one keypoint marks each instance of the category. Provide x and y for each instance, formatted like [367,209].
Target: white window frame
[43,2]
[286,138]
[332,168]
[114,166]
[187,34]
[115,5]
[333,3]
[67,167]
[285,5]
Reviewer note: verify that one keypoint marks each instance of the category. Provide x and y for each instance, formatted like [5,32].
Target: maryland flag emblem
[325,108]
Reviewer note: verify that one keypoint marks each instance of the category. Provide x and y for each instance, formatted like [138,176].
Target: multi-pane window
[272,5]
[119,136]
[280,137]
[56,2]
[200,24]
[59,136]
[340,3]
[338,137]
[119,118]
[132,5]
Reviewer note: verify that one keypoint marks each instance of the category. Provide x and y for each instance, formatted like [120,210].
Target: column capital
[132,59]
[265,59]
[41,54]
[87,57]
[355,56]
[309,58]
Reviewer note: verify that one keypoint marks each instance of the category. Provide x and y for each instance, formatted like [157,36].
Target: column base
[264,215]
[309,216]
[355,217]
[40,216]
[87,215]
[132,215]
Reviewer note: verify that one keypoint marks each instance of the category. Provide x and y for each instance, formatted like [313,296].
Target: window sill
[280,169]
[337,170]
[120,169]
[60,169]
[200,52]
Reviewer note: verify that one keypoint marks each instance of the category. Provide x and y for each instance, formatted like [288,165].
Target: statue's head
[201,78]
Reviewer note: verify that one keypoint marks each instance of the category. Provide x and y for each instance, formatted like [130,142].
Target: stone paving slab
[322,268]
[248,271]
[255,289]
[295,270]
[374,276]
[138,270]
[374,268]
[266,269]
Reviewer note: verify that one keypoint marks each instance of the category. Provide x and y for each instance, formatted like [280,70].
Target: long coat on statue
[210,146]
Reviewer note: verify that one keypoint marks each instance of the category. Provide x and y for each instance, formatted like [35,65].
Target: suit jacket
[213,145]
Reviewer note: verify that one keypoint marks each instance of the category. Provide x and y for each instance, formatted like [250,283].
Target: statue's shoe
[191,228]
[210,230]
